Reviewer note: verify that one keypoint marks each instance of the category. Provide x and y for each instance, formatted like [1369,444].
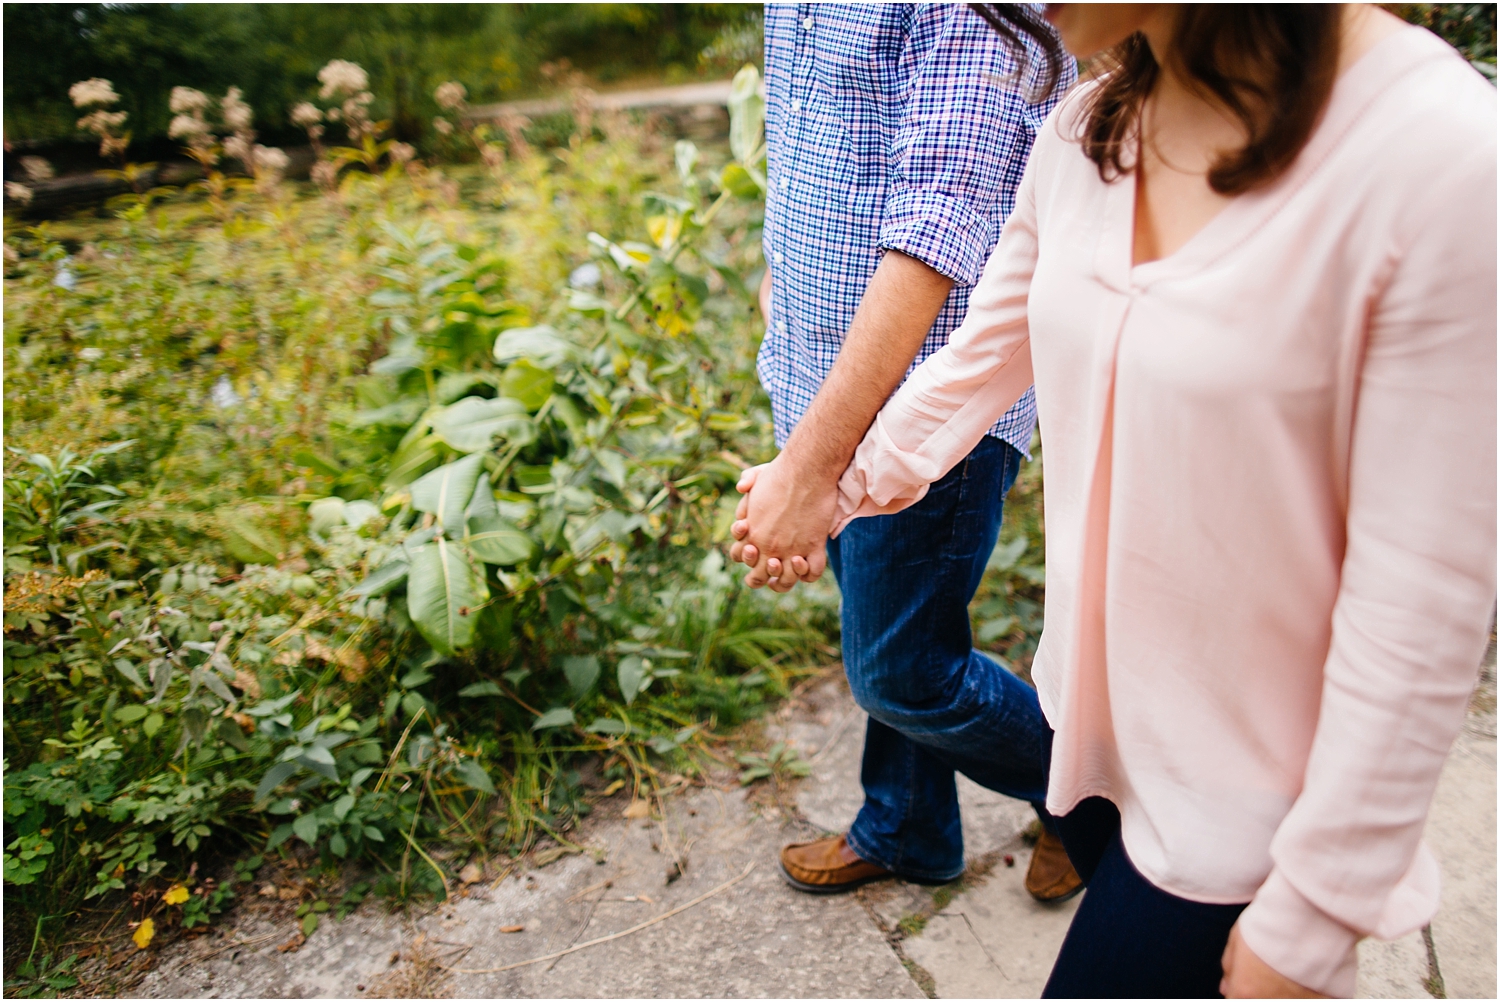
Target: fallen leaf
[638,809]
[176,895]
[288,893]
[293,945]
[288,658]
[247,683]
[613,788]
[267,891]
[512,928]
[471,874]
[143,933]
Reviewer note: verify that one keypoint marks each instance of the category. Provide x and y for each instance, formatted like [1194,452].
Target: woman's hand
[1246,976]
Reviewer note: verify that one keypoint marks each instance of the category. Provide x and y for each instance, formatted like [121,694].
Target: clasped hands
[782,523]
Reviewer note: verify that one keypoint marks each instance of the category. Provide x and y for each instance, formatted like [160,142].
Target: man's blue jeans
[935,704]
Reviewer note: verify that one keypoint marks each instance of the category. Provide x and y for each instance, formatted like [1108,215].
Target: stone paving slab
[983,938]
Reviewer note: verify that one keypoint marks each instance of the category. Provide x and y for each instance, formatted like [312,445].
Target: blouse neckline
[1353,92]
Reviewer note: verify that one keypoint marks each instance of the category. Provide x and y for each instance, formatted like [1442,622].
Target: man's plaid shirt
[889,127]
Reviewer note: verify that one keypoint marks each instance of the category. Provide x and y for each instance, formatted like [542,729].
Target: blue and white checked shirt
[889,127]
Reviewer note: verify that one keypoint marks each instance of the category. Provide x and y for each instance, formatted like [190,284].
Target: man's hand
[783,522]
[791,515]
[1246,976]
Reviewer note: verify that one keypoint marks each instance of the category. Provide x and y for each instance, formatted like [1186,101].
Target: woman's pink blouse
[1270,499]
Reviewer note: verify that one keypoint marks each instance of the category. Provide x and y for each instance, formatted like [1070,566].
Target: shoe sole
[1060,898]
[843,888]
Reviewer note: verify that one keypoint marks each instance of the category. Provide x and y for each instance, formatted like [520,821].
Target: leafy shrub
[349,517]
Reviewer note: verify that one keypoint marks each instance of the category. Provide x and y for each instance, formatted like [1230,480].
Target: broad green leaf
[343,805]
[1005,555]
[155,721]
[443,594]
[324,513]
[496,540]
[686,155]
[528,383]
[382,579]
[474,776]
[412,459]
[607,725]
[445,492]
[480,689]
[582,672]
[127,669]
[483,501]
[473,423]
[310,920]
[273,778]
[543,345]
[339,847]
[560,717]
[747,114]
[739,182]
[631,673]
[130,714]
[306,828]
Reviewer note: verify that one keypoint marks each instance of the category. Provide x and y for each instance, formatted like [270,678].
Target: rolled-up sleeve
[962,142]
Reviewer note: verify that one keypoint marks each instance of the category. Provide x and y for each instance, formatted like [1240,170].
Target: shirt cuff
[943,232]
[1298,940]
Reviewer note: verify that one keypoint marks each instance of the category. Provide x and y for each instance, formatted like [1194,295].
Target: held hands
[1246,976]
[781,525]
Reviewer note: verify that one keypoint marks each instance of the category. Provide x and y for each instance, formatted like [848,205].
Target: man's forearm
[898,309]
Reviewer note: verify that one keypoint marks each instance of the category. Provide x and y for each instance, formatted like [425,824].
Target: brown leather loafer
[827,866]
[1051,878]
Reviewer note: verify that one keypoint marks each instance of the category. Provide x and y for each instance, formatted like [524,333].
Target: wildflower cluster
[95,93]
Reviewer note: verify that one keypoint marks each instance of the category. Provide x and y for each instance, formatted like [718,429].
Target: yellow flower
[143,934]
[176,895]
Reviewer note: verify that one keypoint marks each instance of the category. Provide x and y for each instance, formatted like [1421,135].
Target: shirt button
[807,24]
[776,256]
[782,184]
[796,104]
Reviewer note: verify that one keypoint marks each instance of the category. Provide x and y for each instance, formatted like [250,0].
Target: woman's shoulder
[1059,141]
[1428,102]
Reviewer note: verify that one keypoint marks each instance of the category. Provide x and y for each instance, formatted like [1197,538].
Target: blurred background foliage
[273,52]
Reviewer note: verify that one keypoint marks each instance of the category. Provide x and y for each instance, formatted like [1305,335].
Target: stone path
[981,938]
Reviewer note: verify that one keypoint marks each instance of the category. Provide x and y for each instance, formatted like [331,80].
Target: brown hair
[1271,66]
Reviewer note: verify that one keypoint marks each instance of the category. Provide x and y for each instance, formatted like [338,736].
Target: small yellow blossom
[176,895]
[143,934]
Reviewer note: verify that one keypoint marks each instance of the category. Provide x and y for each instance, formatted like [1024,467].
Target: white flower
[36,168]
[402,152]
[223,394]
[450,95]
[187,127]
[92,91]
[19,192]
[237,113]
[306,114]
[341,77]
[334,114]
[271,159]
[186,100]
[102,123]
[91,354]
[442,126]
[235,146]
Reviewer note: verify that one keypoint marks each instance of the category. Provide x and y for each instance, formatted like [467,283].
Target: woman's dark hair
[1271,66]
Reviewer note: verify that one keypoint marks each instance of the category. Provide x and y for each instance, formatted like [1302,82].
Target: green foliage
[780,763]
[341,522]
[273,52]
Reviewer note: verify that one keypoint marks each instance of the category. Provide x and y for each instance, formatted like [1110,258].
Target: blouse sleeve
[942,411]
[1415,595]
